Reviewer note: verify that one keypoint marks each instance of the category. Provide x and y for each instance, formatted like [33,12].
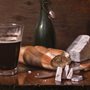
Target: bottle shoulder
[45,21]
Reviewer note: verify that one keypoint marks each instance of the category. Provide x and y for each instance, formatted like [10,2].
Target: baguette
[85,66]
[41,49]
[22,50]
[43,57]
[32,57]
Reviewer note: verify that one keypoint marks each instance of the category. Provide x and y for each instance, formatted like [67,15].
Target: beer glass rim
[11,25]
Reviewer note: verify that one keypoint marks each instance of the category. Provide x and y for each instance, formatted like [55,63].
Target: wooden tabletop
[28,77]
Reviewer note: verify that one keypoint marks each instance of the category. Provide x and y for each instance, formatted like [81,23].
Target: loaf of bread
[40,56]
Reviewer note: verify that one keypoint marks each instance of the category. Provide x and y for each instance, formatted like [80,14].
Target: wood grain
[72,18]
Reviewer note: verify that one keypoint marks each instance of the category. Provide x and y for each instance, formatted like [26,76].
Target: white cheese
[66,70]
[79,50]
[77,78]
[70,74]
[58,76]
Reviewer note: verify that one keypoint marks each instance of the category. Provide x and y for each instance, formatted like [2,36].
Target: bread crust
[39,56]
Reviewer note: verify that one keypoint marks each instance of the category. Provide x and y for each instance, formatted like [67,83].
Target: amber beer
[10,39]
[9,52]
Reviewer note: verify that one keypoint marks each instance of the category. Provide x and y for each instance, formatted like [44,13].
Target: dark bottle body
[44,33]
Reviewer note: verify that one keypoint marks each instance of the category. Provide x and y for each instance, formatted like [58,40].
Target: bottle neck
[44,6]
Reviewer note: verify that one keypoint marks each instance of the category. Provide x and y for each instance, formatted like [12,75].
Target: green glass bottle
[44,32]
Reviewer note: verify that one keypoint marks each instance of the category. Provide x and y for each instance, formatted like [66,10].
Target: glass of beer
[10,41]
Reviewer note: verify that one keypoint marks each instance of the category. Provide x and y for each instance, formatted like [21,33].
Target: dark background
[72,18]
